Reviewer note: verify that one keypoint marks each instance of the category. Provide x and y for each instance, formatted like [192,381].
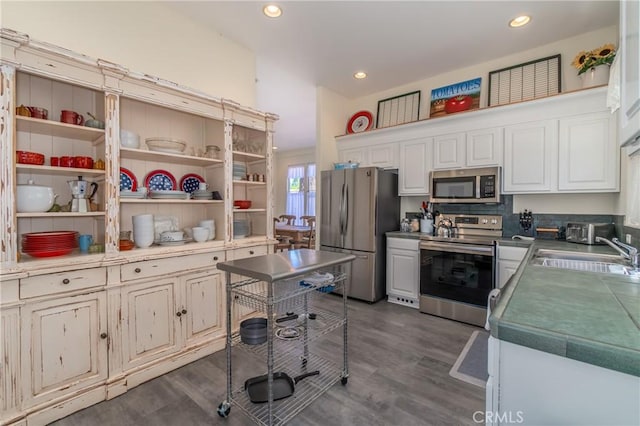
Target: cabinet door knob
[103,335]
[66,281]
[215,257]
[184,311]
[250,251]
[137,270]
[179,313]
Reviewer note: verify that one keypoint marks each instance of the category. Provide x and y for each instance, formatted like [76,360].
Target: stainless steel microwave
[479,185]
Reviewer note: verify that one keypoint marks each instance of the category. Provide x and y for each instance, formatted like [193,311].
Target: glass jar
[213,151]
[405,226]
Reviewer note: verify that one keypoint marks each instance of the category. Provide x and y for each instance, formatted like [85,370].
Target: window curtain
[295,190]
[633,194]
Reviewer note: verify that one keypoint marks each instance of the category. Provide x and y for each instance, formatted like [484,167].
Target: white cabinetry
[588,156]
[64,342]
[509,259]
[476,148]
[484,147]
[530,157]
[163,311]
[630,66]
[415,164]
[525,386]
[383,155]
[403,271]
[449,151]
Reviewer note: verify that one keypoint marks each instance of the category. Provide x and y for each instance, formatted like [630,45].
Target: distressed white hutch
[81,328]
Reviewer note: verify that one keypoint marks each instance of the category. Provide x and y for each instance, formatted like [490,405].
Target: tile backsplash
[511,224]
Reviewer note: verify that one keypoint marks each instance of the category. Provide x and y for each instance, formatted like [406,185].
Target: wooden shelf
[61,214]
[49,170]
[57,129]
[248,183]
[145,155]
[170,201]
[249,210]
[245,156]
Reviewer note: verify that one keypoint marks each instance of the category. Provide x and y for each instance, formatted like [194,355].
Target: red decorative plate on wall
[360,121]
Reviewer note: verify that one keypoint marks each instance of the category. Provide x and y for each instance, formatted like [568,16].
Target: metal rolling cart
[295,281]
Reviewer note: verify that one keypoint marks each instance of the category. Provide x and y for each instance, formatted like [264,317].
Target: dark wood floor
[399,362]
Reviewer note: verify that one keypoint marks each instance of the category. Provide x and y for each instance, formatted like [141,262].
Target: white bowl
[174,146]
[200,234]
[33,198]
[129,139]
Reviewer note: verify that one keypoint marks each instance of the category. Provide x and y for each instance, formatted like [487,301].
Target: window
[301,190]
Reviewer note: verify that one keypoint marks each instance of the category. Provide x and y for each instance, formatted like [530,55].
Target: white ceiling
[322,43]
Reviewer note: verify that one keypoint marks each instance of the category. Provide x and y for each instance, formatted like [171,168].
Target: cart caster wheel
[344,380]
[223,409]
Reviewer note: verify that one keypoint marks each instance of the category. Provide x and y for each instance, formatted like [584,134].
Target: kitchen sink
[578,261]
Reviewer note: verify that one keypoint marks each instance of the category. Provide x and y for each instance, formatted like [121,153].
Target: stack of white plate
[241,228]
[239,171]
[143,231]
[131,194]
[169,195]
[202,195]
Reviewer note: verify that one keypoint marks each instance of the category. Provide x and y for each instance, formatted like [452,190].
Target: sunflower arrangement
[600,56]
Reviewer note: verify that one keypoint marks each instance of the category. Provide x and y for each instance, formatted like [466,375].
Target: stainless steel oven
[457,273]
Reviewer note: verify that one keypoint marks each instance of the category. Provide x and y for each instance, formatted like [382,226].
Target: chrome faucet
[631,254]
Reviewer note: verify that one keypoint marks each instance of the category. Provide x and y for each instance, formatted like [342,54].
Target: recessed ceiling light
[360,75]
[272,10]
[519,21]
[274,148]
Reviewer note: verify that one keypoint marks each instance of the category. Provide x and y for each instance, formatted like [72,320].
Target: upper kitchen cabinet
[370,149]
[415,163]
[54,152]
[530,157]
[177,153]
[476,148]
[629,53]
[588,156]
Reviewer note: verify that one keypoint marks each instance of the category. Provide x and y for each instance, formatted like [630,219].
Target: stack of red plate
[49,244]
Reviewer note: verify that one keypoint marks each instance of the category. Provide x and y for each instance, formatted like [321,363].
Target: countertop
[587,316]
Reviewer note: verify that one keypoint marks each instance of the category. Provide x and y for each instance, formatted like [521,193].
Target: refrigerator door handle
[342,210]
[346,209]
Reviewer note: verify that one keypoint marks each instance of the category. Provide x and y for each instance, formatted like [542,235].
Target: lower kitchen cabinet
[10,392]
[150,321]
[64,346]
[163,316]
[508,260]
[532,387]
[403,271]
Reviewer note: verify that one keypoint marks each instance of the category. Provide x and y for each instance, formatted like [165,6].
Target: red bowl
[26,157]
[83,162]
[242,204]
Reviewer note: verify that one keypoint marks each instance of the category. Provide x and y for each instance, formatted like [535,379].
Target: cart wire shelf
[324,323]
[288,295]
[306,391]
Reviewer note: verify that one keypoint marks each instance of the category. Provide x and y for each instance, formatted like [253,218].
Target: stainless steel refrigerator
[357,207]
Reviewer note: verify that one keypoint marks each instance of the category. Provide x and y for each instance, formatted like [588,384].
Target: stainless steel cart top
[279,266]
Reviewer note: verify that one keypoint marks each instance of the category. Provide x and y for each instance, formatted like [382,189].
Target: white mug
[202,186]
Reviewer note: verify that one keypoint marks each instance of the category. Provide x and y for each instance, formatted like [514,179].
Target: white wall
[609,203]
[146,37]
[282,160]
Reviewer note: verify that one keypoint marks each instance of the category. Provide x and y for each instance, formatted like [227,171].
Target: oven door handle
[457,248]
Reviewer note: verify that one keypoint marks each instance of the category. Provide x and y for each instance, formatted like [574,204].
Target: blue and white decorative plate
[160,180]
[128,180]
[191,182]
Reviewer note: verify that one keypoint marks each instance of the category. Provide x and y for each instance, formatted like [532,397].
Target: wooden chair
[284,242]
[308,241]
[290,219]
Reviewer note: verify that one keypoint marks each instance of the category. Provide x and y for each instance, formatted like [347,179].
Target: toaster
[586,233]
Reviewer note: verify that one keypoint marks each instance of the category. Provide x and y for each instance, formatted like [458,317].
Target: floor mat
[471,365]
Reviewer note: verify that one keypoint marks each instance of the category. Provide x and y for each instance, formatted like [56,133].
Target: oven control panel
[483,221]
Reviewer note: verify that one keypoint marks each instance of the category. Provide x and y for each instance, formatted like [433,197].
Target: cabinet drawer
[169,265]
[242,253]
[511,253]
[403,243]
[42,285]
